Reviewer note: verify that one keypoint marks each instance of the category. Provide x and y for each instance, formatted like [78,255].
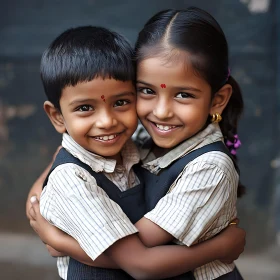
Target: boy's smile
[176,111]
[100,115]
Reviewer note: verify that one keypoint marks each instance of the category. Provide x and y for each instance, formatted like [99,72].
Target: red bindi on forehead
[163,85]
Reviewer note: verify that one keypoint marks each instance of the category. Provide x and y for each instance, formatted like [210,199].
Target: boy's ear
[221,99]
[55,117]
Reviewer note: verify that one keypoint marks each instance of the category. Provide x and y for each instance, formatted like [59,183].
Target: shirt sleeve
[73,202]
[202,194]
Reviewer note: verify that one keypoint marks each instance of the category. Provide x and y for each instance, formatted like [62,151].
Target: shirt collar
[210,134]
[98,163]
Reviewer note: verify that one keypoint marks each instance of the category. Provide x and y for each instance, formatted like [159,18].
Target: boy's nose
[105,120]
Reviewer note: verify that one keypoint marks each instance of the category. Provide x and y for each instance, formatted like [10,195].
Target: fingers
[32,214]
[33,200]
[33,225]
[34,209]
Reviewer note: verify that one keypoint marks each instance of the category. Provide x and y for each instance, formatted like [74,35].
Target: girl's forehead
[170,73]
[162,65]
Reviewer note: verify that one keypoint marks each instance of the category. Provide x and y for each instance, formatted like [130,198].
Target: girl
[184,91]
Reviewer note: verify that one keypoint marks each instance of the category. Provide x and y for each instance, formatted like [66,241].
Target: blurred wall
[27,139]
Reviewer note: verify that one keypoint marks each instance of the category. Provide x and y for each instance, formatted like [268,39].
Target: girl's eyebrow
[144,83]
[177,88]
[187,88]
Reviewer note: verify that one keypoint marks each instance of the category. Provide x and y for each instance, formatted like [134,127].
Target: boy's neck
[118,158]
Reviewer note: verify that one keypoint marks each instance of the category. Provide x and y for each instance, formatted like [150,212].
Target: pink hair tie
[233,146]
[228,73]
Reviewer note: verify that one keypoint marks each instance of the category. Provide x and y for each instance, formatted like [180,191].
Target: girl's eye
[183,95]
[145,90]
[120,103]
[85,108]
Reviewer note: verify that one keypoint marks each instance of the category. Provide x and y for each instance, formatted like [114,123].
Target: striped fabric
[73,202]
[202,200]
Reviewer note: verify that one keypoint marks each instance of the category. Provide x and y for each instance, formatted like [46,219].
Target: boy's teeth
[105,138]
[164,127]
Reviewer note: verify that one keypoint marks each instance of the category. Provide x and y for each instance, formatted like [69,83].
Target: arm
[68,246]
[200,205]
[138,260]
[162,261]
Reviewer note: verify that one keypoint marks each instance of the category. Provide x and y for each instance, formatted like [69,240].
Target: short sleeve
[73,202]
[202,201]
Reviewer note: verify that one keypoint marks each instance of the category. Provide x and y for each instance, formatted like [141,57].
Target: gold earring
[216,118]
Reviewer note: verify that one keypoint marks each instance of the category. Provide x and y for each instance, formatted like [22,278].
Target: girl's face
[173,103]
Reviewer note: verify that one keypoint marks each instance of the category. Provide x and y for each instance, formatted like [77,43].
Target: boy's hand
[48,233]
[234,240]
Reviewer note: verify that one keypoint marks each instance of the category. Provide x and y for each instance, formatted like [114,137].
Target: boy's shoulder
[68,176]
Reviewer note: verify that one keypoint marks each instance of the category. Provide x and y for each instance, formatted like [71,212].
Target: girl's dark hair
[82,54]
[196,32]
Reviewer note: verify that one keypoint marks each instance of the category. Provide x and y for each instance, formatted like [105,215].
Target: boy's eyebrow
[80,101]
[119,95]
[124,94]
[177,88]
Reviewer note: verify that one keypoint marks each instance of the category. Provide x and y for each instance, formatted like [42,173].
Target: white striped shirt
[74,203]
[202,200]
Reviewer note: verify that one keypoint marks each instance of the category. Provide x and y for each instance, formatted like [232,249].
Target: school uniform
[202,199]
[73,201]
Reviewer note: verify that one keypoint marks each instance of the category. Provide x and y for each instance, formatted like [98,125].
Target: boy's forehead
[98,87]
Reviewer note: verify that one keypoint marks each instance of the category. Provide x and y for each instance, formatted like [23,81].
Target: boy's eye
[145,90]
[85,108]
[120,103]
[183,95]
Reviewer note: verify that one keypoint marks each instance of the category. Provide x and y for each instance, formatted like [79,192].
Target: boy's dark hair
[82,54]
[196,32]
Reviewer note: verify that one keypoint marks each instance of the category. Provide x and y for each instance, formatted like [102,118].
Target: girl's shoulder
[214,160]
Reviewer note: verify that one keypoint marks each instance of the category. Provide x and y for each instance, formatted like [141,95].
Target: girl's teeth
[164,127]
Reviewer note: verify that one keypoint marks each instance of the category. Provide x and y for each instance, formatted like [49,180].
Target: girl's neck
[158,151]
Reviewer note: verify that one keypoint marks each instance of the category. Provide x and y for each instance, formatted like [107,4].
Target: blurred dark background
[27,139]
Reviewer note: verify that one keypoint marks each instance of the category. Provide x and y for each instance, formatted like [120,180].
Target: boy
[88,76]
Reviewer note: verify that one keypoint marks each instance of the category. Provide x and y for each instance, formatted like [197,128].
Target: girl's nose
[163,109]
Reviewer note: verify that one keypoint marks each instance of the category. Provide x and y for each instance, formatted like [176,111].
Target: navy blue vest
[156,186]
[131,202]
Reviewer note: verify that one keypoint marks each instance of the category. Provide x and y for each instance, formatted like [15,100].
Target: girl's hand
[233,240]
[48,233]
[36,188]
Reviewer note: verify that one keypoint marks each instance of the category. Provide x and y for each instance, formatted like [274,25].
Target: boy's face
[100,115]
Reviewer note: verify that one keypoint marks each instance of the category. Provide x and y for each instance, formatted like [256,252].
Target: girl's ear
[55,117]
[221,99]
